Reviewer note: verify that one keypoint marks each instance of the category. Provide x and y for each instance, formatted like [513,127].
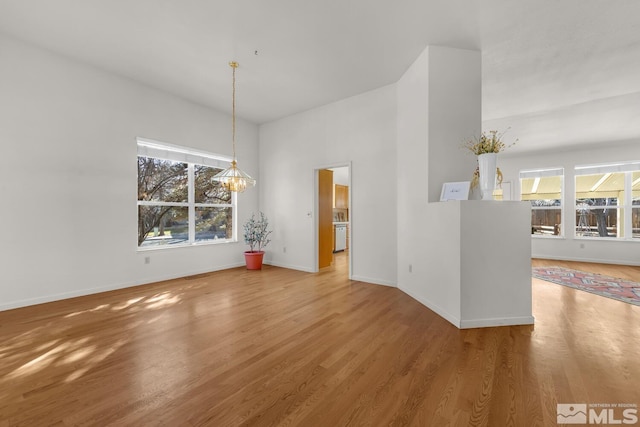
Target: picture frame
[455,191]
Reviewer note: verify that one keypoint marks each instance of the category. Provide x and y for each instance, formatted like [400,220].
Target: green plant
[256,233]
[489,142]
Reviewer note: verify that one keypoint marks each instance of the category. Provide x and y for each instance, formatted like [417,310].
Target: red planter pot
[254,259]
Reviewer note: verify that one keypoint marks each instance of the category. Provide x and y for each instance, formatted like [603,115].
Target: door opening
[334,243]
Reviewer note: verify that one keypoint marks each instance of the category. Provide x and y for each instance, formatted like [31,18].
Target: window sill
[185,245]
[606,239]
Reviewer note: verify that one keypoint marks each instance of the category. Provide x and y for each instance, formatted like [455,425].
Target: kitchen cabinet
[341,197]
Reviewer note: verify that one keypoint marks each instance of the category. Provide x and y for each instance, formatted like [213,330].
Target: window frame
[628,168]
[547,173]
[162,151]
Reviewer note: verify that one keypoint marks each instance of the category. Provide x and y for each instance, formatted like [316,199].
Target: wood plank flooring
[284,348]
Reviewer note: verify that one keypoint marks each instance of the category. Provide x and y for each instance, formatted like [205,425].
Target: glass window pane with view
[162,225]
[545,195]
[169,192]
[207,191]
[213,213]
[163,184]
[213,223]
[599,201]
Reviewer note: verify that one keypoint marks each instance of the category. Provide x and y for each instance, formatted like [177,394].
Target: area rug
[610,287]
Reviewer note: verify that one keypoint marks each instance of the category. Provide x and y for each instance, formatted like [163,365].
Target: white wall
[68,177]
[479,265]
[455,98]
[360,130]
[570,248]
[439,99]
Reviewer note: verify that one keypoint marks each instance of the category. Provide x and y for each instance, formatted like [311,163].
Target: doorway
[333,213]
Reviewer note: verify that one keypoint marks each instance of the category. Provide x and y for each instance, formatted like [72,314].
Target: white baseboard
[374,281]
[502,321]
[90,291]
[454,320]
[471,323]
[289,266]
[579,259]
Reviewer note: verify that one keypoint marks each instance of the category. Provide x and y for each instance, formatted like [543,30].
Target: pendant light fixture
[233,178]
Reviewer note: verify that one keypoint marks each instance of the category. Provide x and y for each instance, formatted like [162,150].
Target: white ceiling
[556,72]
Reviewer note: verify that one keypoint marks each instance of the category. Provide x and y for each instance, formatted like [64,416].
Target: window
[178,202]
[543,188]
[608,201]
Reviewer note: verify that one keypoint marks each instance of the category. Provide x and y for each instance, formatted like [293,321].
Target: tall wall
[439,101]
[68,177]
[360,130]
[570,248]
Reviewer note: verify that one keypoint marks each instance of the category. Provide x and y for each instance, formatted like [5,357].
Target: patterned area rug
[610,287]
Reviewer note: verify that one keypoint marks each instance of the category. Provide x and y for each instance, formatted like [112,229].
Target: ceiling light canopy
[233,178]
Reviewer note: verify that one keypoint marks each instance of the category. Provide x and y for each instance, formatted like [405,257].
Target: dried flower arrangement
[489,142]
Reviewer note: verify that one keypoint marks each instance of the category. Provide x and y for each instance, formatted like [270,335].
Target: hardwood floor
[281,347]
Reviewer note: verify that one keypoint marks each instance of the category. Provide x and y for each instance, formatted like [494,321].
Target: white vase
[487,167]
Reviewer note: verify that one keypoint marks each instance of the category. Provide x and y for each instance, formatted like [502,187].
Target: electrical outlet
[147,260]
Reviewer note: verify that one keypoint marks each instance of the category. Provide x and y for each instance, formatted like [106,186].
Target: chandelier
[233,178]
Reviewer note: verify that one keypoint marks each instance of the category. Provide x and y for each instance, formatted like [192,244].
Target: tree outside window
[608,201]
[179,203]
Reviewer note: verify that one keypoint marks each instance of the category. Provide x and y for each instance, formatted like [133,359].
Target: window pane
[213,223]
[162,180]
[162,225]
[596,202]
[598,222]
[546,222]
[207,190]
[600,186]
[546,188]
[545,195]
[635,193]
[548,202]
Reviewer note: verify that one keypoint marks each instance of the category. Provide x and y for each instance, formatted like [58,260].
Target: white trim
[595,169]
[374,281]
[454,320]
[471,323]
[289,266]
[161,150]
[499,321]
[90,291]
[592,260]
[538,173]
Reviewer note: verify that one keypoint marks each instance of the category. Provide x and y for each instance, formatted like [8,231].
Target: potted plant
[256,235]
